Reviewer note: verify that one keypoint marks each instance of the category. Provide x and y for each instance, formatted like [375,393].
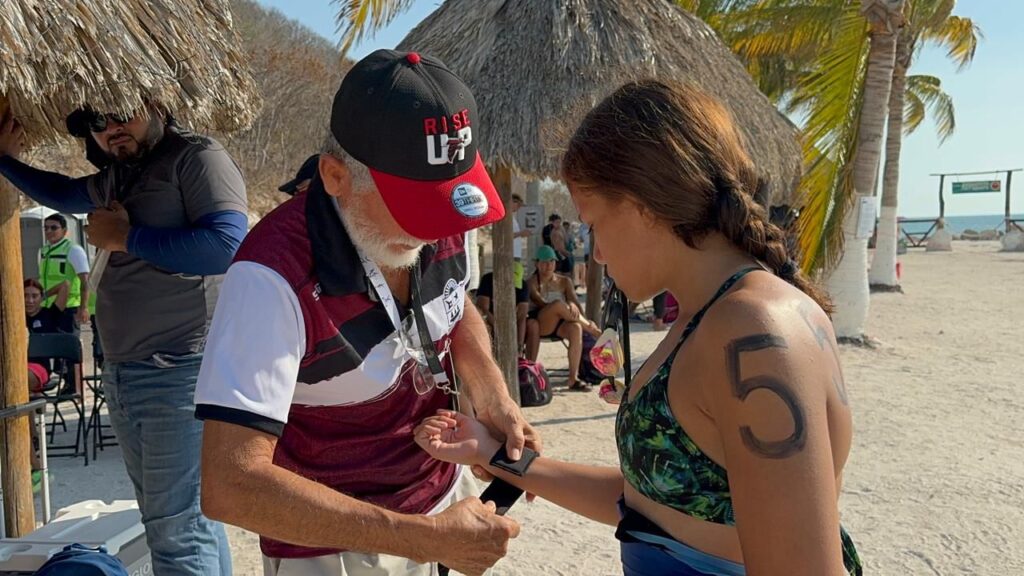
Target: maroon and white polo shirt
[299,349]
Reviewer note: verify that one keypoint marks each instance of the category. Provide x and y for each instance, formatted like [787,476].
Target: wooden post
[506,344]
[1009,177]
[595,283]
[942,202]
[533,242]
[15,442]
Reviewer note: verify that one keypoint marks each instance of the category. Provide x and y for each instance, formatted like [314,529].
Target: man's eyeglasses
[50,227]
[100,122]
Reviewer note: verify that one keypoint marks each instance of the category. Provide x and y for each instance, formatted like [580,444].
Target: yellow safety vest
[54,268]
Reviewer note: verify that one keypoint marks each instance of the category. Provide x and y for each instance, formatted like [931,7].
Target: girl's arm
[591,491]
[771,405]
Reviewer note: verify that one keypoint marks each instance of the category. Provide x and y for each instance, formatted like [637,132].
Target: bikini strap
[695,321]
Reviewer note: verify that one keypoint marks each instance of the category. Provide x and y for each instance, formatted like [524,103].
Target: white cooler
[117,526]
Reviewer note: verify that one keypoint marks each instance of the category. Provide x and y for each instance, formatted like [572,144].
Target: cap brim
[428,209]
[289,186]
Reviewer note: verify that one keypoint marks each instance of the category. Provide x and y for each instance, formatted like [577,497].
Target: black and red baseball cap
[414,124]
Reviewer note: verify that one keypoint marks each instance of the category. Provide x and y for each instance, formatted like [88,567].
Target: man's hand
[83,313]
[12,136]
[505,421]
[108,228]
[469,537]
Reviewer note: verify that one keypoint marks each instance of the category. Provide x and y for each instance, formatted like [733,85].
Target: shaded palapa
[57,56]
[537,67]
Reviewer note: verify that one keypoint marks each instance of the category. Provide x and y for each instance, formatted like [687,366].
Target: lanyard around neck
[380,287]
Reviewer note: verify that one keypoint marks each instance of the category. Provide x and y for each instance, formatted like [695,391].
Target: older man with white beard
[342,323]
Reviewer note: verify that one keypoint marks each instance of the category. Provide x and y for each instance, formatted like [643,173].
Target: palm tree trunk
[848,283]
[882,276]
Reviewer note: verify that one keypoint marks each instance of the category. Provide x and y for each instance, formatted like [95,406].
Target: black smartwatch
[517,467]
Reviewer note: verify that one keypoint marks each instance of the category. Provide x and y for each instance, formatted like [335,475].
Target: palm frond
[831,96]
[362,18]
[925,14]
[709,10]
[925,93]
[960,36]
[778,40]
[779,28]
[914,110]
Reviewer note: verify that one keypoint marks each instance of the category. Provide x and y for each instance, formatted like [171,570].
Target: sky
[988,96]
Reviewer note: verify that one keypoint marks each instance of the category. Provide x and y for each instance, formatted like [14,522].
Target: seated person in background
[558,311]
[526,329]
[44,320]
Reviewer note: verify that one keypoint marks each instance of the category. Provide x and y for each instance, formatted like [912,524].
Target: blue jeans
[152,411]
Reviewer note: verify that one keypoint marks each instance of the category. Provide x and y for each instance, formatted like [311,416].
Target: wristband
[518,467]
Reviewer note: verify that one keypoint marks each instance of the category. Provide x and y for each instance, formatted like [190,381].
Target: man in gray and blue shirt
[170,208]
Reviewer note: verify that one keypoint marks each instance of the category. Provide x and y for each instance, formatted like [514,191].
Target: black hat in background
[306,172]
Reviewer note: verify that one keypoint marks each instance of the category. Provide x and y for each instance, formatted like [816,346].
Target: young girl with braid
[733,436]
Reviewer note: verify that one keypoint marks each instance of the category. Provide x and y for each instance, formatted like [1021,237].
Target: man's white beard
[375,246]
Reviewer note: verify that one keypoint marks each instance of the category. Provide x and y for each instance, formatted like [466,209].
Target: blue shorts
[647,550]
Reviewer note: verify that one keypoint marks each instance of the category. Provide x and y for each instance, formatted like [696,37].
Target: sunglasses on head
[99,122]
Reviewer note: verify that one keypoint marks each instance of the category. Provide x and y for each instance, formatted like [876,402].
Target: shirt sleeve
[50,189]
[79,261]
[211,181]
[251,361]
[205,248]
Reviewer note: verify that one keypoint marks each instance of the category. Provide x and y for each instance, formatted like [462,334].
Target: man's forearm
[50,189]
[204,249]
[282,505]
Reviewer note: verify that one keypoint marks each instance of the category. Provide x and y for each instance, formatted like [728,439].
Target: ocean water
[957,224]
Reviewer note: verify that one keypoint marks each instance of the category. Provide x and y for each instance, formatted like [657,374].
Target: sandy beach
[935,482]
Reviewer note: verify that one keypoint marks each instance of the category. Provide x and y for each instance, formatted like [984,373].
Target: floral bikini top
[660,460]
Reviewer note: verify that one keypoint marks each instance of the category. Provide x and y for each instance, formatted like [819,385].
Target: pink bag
[671,309]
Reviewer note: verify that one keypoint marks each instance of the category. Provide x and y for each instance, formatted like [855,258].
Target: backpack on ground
[534,385]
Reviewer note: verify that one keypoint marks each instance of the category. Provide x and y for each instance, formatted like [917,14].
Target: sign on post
[977,186]
[866,215]
[532,217]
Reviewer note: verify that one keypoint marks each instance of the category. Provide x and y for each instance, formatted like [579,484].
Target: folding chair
[66,352]
[100,440]
[556,372]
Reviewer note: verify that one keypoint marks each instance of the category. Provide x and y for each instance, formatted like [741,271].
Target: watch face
[517,467]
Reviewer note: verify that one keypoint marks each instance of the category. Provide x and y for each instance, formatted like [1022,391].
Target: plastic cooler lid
[91,522]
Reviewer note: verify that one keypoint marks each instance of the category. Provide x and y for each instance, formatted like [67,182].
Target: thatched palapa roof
[536,67]
[57,56]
